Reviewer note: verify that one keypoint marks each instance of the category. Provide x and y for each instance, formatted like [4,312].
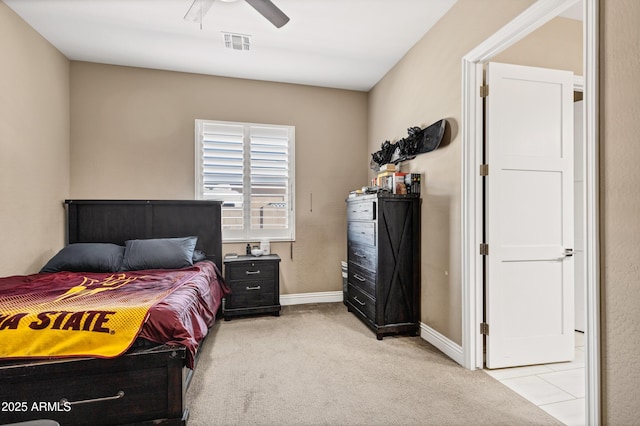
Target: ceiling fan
[266,8]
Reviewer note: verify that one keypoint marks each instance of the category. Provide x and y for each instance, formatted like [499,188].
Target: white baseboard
[446,345]
[302,298]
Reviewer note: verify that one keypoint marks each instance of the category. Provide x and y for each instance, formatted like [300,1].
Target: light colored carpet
[319,365]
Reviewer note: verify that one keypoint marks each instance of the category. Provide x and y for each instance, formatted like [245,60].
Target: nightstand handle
[358,300]
[254,288]
[253,272]
[358,277]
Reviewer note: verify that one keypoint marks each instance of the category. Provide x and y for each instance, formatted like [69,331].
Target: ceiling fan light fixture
[266,8]
[198,9]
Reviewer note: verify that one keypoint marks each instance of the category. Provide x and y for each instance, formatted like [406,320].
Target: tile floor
[556,388]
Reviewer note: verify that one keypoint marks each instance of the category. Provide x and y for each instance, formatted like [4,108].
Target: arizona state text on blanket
[79,314]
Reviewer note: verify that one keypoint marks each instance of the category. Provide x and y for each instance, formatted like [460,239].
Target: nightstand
[255,285]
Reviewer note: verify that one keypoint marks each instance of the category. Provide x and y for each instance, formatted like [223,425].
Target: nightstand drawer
[253,294]
[251,271]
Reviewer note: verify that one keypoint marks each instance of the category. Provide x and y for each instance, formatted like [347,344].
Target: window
[250,167]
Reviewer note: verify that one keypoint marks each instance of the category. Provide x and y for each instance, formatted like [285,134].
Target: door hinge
[484,249]
[484,170]
[484,328]
[484,91]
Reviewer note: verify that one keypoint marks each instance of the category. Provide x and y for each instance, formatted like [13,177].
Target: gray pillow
[87,257]
[159,253]
[199,256]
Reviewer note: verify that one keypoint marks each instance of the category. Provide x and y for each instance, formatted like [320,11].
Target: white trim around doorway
[472,293]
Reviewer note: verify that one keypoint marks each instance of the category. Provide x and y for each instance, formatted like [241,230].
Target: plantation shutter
[250,168]
[269,178]
[223,170]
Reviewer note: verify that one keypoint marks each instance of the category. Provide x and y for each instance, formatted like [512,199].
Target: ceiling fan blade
[270,11]
[197,10]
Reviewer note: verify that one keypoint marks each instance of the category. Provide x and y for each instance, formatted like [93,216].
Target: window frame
[247,233]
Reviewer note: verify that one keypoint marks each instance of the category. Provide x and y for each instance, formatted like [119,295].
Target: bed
[146,384]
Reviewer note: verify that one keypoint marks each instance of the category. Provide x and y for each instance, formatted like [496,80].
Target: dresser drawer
[362,302]
[251,271]
[363,279]
[362,232]
[363,210]
[363,255]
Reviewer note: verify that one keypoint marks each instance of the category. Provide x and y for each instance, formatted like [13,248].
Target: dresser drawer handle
[119,395]
[252,272]
[358,277]
[254,288]
[358,300]
[363,255]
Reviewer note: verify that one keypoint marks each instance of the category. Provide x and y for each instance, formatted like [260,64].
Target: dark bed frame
[144,386]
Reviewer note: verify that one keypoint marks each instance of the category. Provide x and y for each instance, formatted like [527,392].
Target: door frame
[472,203]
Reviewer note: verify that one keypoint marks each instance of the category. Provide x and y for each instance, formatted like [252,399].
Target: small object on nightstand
[255,285]
[248,249]
[231,256]
[265,246]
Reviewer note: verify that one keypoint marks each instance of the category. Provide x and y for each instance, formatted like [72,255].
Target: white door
[529,216]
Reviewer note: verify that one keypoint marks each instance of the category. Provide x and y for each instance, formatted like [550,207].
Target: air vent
[237,41]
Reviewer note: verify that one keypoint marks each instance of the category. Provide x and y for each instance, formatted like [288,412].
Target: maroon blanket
[184,316]
[183,306]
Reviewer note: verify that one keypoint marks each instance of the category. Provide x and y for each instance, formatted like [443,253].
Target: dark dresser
[255,285]
[383,234]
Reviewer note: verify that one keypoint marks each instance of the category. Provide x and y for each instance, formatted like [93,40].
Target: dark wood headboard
[115,221]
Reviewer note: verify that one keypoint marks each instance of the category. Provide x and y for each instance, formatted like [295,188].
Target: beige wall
[423,87]
[132,136]
[620,209]
[34,146]
[557,45]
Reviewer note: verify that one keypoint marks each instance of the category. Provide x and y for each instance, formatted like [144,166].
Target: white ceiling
[349,44]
